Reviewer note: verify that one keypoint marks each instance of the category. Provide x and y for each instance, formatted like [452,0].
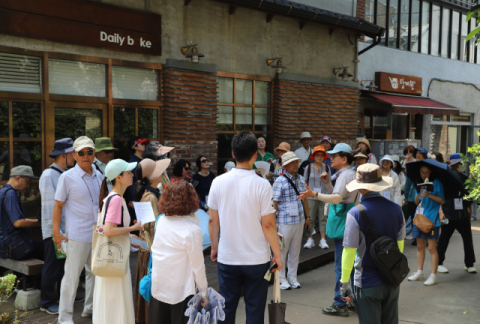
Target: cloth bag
[337,217]
[276,310]
[110,255]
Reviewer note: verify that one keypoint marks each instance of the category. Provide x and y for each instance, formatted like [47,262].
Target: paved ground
[455,300]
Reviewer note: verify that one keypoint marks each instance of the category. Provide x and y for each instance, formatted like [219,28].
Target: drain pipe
[377,41]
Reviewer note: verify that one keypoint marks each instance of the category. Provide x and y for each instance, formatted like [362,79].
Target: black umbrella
[453,186]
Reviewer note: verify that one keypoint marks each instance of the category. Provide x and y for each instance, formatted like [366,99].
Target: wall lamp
[193,55]
[344,73]
[278,66]
[369,85]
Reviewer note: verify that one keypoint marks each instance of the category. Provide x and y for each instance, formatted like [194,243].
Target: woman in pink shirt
[113,297]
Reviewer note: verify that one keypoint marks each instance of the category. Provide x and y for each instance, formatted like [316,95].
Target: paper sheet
[144,212]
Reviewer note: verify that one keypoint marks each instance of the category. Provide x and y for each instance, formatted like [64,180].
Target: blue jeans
[409,226]
[232,278]
[338,272]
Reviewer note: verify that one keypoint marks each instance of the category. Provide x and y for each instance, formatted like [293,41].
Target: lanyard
[91,196]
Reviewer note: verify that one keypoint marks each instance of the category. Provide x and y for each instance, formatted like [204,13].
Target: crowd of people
[257,219]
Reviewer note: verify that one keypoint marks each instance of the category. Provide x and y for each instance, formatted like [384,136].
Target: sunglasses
[410,151]
[82,153]
[187,169]
[206,160]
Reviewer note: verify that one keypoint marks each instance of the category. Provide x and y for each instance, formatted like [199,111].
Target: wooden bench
[28,268]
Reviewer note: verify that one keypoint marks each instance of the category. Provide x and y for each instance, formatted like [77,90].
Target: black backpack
[392,265]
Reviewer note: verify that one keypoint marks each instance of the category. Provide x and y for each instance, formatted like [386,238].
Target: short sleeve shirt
[431,207]
[344,177]
[114,212]
[286,196]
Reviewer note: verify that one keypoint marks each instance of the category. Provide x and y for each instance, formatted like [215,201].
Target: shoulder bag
[110,255]
[423,223]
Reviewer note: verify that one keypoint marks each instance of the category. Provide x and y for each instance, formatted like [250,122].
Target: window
[425,29]
[415,25]
[435,30]
[393,24]
[464,45]
[369,16]
[382,13]
[455,35]
[73,123]
[446,33]
[21,73]
[404,13]
[76,78]
[133,83]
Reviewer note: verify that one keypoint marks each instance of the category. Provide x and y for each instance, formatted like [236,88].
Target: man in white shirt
[305,151]
[241,205]
[77,191]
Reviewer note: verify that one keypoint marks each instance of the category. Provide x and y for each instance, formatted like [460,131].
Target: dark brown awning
[415,105]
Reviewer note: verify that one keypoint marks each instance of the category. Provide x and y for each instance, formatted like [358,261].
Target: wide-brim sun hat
[116,167]
[164,149]
[288,158]
[319,149]
[396,158]
[369,177]
[23,171]
[387,158]
[360,155]
[83,142]
[305,135]
[364,141]
[62,146]
[284,146]
[154,169]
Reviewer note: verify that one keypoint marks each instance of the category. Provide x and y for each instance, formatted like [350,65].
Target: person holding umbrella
[431,202]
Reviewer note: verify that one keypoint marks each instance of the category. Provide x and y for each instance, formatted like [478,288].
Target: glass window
[464,44]
[76,78]
[4,128]
[404,13]
[382,13]
[134,83]
[369,16]
[425,26]
[393,24]
[244,91]
[380,126]
[461,118]
[445,32]
[471,43]
[225,118]
[225,90]
[4,161]
[261,119]
[399,126]
[28,153]
[20,73]
[243,118]
[123,122]
[26,119]
[262,93]
[73,123]
[455,35]
[435,30]
[147,123]
[415,25]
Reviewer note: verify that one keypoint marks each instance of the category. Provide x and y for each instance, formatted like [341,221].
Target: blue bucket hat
[455,158]
[63,146]
[340,147]
[422,151]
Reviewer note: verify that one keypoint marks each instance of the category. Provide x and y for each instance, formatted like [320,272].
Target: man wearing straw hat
[376,301]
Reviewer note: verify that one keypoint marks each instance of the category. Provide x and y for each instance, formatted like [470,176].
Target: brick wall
[189,115]
[361,15]
[318,109]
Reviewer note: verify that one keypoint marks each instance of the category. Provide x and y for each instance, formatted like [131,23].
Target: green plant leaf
[472,11]
[473,33]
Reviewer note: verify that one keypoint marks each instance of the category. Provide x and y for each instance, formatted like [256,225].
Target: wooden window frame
[136,107]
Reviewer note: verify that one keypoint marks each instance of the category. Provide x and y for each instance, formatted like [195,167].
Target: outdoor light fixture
[370,85]
[344,74]
[279,67]
[193,55]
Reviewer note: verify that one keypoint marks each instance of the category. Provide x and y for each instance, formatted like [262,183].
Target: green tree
[473,159]
[474,13]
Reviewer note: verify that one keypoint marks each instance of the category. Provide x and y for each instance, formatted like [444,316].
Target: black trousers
[52,274]
[464,227]
[412,206]
[163,313]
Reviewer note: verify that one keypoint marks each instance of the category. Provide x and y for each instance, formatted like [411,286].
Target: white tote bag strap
[276,287]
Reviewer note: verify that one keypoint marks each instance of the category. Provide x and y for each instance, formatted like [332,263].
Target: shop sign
[83,23]
[390,82]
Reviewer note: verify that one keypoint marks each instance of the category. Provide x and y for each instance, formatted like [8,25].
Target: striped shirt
[79,192]
[48,186]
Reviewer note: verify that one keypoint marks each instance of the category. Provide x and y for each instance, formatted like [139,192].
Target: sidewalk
[455,300]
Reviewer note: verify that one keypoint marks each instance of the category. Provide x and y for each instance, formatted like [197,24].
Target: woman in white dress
[394,192]
[113,297]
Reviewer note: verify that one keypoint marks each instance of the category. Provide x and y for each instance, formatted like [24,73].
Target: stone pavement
[455,300]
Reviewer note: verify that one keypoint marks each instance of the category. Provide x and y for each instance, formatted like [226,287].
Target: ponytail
[142,183]
[104,191]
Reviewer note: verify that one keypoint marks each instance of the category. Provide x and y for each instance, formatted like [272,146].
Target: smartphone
[273,266]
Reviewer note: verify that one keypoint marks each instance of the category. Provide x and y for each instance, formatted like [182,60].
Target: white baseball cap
[83,142]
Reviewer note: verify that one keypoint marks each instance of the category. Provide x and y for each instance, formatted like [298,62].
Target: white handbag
[110,255]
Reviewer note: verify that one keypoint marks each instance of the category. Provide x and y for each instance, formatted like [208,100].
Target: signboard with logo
[83,23]
[391,82]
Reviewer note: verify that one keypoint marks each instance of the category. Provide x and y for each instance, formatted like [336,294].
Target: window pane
[399,126]
[28,153]
[425,26]
[461,118]
[261,119]
[225,118]
[369,16]
[73,123]
[123,122]
[393,24]
[4,161]
[262,93]
[243,118]
[4,119]
[463,44]
[76,78]
[147,123]
[244,91]
[224,151]
[455,35]
[381,126]
[445,32]
[133,83]
[27,120]
[472,44]
[20,73]
[225,90]
[404,10]
[382,15]
[435,30]
[415,24]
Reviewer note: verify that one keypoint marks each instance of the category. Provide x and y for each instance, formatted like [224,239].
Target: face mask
[461,168]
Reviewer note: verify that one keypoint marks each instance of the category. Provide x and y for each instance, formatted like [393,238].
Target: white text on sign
[116,38]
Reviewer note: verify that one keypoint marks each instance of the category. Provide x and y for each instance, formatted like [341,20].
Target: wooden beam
[231,9]
[187,2]
[302,24]
[269,18]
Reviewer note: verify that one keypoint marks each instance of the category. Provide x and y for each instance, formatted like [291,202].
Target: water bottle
[445,221]
[64,247]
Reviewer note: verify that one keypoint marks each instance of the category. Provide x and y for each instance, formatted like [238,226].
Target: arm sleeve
[114,212]
[195,255]
[11,203]
[400,246]
[348,259]
[266,204]
[212,197]
[401,177]
[62,189]
[397,195]
[277,190]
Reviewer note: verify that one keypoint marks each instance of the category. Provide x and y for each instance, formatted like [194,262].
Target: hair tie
[145,181]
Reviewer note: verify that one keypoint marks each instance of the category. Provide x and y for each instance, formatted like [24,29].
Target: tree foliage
[474,12]
[473,159]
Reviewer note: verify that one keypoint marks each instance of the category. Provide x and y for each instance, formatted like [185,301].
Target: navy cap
[326,138]
[63,146]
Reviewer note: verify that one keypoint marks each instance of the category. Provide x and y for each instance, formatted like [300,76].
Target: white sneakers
[416,276]
[323,244]
[310,243]
[471,269]
[409,237]
[432,280]
[285,285]
[442,269]
[291,283]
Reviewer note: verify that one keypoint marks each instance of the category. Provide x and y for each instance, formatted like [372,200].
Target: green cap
[104,144]
[116,167]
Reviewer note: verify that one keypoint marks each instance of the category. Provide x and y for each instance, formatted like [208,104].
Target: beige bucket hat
[289,157]
[369,177]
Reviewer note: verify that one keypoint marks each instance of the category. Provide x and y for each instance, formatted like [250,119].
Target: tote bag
[110,255]
[276,310]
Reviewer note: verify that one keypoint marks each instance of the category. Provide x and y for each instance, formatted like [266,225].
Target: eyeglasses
[409,151]
[425,173]
[82,153]
[108,151]
[206,160]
